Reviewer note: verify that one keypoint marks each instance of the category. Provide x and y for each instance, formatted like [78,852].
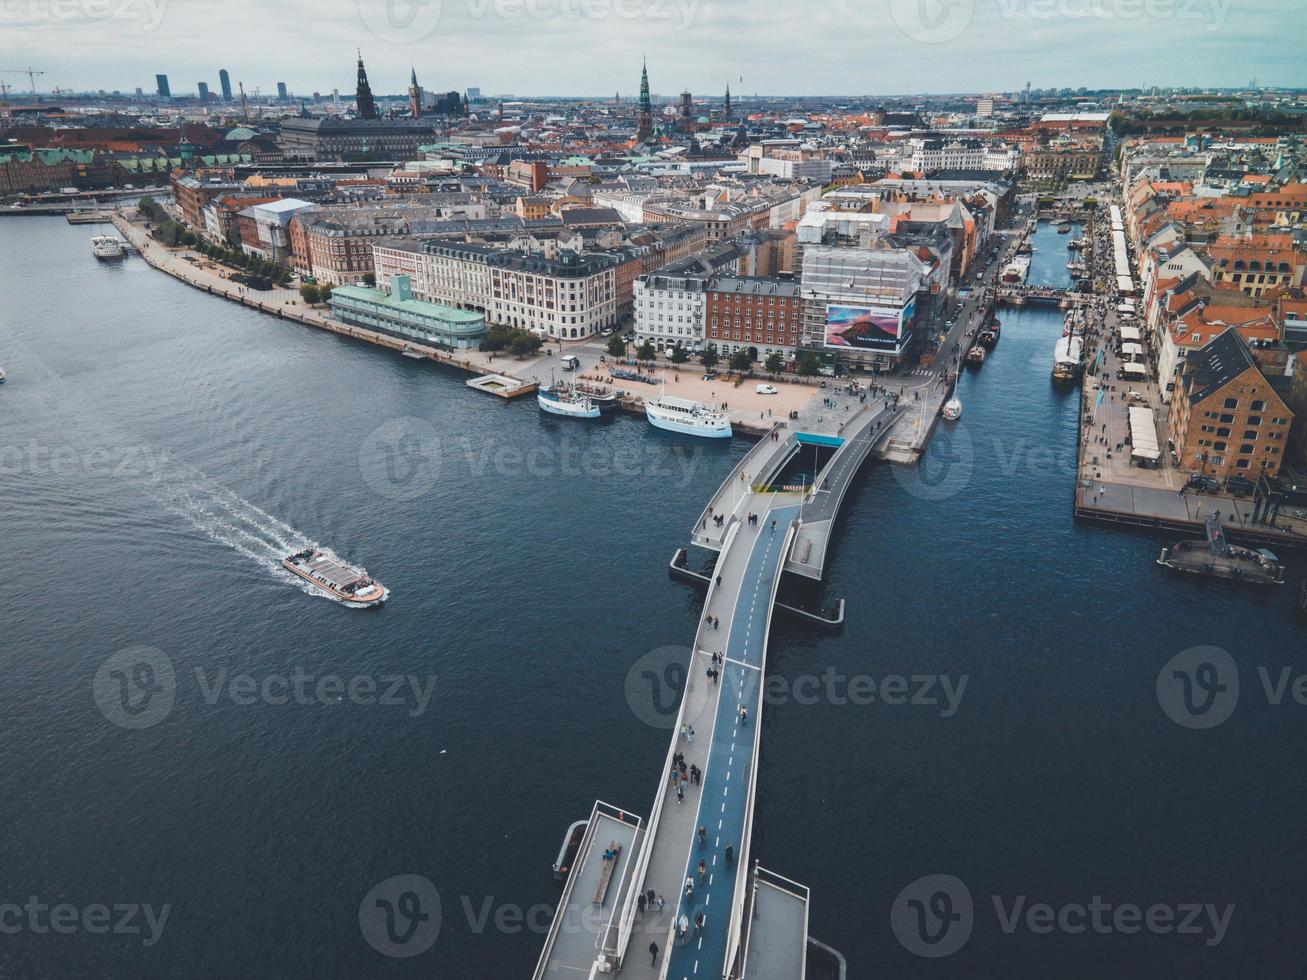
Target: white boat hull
[704,428]
[584,409]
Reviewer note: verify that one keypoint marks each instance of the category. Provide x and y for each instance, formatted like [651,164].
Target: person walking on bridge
[653,951]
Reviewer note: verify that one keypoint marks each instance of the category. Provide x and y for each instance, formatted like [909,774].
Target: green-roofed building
[397,313]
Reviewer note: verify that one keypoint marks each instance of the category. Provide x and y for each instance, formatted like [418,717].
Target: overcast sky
[593,47]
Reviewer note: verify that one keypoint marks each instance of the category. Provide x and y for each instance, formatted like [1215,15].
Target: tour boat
[976,355]
[1075,244]
[687,417]
[1217,558]
[106,247]
[952,409]
[989,336]
[601,396]
[565,400]
[412,354]
[351,585]
[1066,358]
[1025,248]
[1064,228]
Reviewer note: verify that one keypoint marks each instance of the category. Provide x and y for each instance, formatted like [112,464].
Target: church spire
[644,114]
[728,102]
[367,108]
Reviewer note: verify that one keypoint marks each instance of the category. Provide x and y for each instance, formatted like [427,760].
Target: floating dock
[502,386]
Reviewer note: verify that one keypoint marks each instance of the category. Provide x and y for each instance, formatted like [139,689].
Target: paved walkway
[723,748]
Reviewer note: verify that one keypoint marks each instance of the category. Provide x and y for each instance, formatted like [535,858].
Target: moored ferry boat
[952,409]
[565,400]
[601,396]
[687,417]
[106,247]
[351,585]
[976,355]
[989,336]
[1217,558]
[1066,358]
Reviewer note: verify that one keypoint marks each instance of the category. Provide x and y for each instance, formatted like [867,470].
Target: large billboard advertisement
[865,328]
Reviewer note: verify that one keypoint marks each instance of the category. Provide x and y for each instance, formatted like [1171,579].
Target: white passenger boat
[348,583]
[106,247]
[1066,357]
[566,401]
[687,417]
[952,409]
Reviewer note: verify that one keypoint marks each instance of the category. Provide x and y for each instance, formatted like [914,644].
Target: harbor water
[160,449]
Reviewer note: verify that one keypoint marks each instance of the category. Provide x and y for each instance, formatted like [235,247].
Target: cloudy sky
[593,47]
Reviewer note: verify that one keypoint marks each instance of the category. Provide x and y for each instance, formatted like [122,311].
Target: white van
[571,363]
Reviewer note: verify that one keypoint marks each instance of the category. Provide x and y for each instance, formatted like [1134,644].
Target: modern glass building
[397,313]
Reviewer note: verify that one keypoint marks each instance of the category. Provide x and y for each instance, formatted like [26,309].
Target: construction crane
[4,105]
[29,71]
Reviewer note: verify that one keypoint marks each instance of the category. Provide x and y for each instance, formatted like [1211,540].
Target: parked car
[1240,487]
[1203,484]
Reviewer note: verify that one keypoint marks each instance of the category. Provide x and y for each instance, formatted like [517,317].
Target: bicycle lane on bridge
[724,798]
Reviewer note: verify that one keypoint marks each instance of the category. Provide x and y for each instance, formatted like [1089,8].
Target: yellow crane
[29,71]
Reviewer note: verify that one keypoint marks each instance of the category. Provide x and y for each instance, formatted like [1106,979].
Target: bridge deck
[726,750]
[777,944]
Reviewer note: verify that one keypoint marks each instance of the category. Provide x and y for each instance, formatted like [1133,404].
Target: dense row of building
[1217,227]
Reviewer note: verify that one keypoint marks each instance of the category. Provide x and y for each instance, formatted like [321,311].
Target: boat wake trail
[222,516]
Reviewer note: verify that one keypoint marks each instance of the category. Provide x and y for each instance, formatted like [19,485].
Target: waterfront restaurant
[397,313]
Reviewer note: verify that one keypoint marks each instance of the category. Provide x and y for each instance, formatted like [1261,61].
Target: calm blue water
[160,447]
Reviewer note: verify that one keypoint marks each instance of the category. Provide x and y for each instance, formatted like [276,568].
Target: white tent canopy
[1130,333]
[1132,350]
[1143,435]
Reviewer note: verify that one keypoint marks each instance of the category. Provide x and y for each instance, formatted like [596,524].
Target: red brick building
[1227,419]
[754,314]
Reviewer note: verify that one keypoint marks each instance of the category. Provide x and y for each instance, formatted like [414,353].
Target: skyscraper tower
[644,115]
[367,109]
[727,108]
[687,105]
[224,80]
[414,94]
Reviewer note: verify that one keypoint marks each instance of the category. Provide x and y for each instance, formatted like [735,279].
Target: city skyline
[909,47]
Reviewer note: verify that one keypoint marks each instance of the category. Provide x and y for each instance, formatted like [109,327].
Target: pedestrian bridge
[693,853]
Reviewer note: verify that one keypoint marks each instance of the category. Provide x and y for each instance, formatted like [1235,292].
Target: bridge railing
[754,451]
[641,867]
[736,927]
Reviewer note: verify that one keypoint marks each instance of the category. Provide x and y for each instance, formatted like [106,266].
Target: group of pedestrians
[684,775]
[649,901]
[714,671]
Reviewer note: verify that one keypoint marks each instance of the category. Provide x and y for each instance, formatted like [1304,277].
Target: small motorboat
[952,409]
